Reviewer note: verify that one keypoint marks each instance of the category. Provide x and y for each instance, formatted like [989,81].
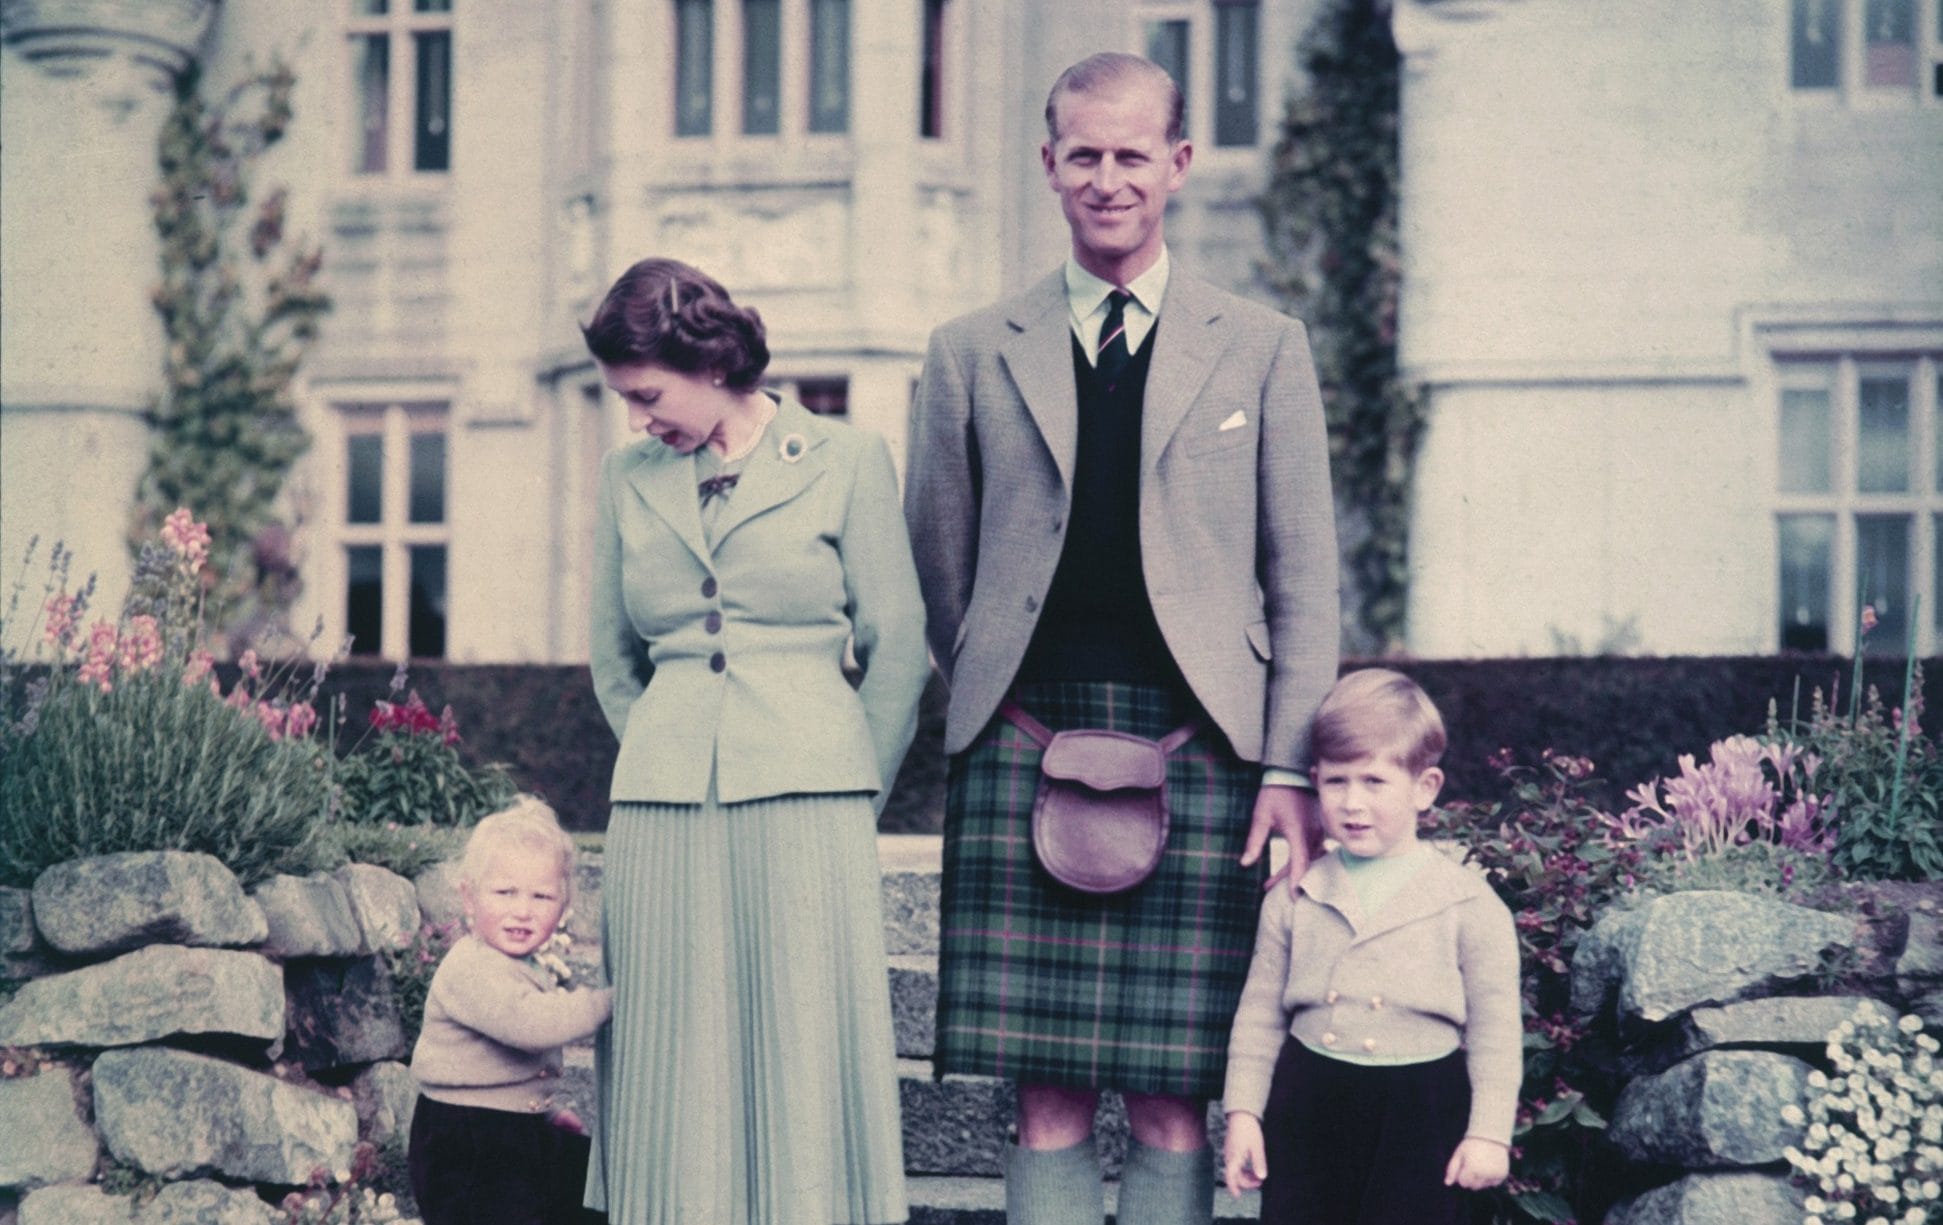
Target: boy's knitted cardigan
[1435,969]
[494,1027]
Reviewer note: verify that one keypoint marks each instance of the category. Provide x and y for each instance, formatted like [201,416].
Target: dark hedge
[1632,717]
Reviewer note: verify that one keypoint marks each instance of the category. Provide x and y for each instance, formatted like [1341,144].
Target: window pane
[1235,71]
[1882,445]
[371,8]
[1804,440]
[1806,546]
[433,145]
[1882,576]
[830,66]
[931,86]
[373,53]
[1167,46]
[364,598]
[694,66]
[762,33]
[825,397]
[1889,45]
[364,496]
[427,616]
[428,478]
[432,6]
[1817,43]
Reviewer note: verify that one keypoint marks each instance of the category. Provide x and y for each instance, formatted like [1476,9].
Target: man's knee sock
[1058,1186]
[1158,1187]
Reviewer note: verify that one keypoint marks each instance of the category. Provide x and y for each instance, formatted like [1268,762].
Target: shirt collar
[1085,292]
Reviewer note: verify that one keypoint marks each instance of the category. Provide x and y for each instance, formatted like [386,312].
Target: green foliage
[410,772]
[1756,867]
[405,849]
[119,739]
[224,429]
[411,969]
[1330,216]
[1881,777]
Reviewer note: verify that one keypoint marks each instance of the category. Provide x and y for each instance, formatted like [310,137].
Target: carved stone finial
[78,38]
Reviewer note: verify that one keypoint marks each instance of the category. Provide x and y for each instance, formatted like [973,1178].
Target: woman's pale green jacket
[729,660]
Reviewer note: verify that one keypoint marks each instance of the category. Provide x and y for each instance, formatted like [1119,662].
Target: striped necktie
[1113,357]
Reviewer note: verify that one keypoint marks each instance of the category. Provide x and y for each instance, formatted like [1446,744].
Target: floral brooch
[792,447]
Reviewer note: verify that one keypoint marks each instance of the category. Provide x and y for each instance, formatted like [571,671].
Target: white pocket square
[1234,422]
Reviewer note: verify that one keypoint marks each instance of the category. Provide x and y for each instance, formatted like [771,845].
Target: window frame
[1851,88]
[394,419]
[402,28]
[1842,370]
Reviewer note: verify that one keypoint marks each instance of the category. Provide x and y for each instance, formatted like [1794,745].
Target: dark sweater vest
[1097,623]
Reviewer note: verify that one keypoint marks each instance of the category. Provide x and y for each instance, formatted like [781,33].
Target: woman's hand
[1478,1164]
[1245,1155]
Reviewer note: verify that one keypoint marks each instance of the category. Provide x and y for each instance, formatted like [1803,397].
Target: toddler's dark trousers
[472,1166]
[1356,1144]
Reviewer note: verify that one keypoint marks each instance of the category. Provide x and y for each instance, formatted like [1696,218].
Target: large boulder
[384,905]
[46,1141]
[75,1204]
[109,903]
[438,894]
[148,994]
[341,1012]
[309,916]
[1714,1199]
[1719,1109]
[202,1202]
[174,1114]
[1686,950]
[1777,1021]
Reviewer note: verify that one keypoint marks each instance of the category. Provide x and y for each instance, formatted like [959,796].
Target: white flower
[1792,1113]
[1910,1025]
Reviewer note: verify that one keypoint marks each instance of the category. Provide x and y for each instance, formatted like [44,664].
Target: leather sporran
[1099,819]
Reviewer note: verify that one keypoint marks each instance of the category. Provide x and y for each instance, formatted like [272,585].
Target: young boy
[1395,971]
[488,1142]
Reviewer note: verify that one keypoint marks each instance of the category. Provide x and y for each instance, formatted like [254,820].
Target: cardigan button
[1369,1044]
[1329,1039]
[1331,998]
[712,623]
[709,587]
[718,662]
[1376,1001]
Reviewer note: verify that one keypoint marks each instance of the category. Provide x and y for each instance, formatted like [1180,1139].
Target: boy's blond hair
[1375,710]
[527,824]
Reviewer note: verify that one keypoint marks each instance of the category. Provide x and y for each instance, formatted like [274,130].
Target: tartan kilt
[1041,984]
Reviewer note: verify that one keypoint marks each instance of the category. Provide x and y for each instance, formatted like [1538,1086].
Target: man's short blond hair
[528,825]
[1112,70]
[1376,710]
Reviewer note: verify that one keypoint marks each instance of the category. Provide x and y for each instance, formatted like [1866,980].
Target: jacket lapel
[1431,889]
[1187,343]
[666,482]
[1039,357]
[770,479]
[1328,883]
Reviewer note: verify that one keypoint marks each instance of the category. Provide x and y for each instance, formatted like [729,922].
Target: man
[1119,501]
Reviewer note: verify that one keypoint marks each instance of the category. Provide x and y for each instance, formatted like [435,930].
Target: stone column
[84,87]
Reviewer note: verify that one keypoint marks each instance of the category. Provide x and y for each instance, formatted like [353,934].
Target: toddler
[488,1142]
[1394,970]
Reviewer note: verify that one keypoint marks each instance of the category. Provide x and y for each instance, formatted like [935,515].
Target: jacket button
[712,623]
[1369,1044]
[709,588]
[1329,1039]
[1032,603]
[718,662]
[1331,998]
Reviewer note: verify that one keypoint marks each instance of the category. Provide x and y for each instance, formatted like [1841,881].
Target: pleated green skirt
[748,1074]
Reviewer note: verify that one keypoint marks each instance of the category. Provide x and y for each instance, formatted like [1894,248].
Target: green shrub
[411,969]
[405,849]
[119,738]
[410,772]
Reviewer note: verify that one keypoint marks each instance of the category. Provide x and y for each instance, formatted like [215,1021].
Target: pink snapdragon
[98,666]
[61,614]
[186,538]
[141,644]
[272,718]
[300,720]
[200,663]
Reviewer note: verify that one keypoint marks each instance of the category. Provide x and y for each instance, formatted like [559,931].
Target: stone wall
[224,1043]
[1714,1008]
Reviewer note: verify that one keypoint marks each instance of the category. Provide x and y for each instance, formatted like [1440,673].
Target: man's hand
[1245,1155]
[1478,1164]
[1290,812]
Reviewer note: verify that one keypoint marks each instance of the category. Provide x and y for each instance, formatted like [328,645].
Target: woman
[748,1073]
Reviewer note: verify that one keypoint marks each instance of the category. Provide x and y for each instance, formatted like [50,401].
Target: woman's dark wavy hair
[665,312]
